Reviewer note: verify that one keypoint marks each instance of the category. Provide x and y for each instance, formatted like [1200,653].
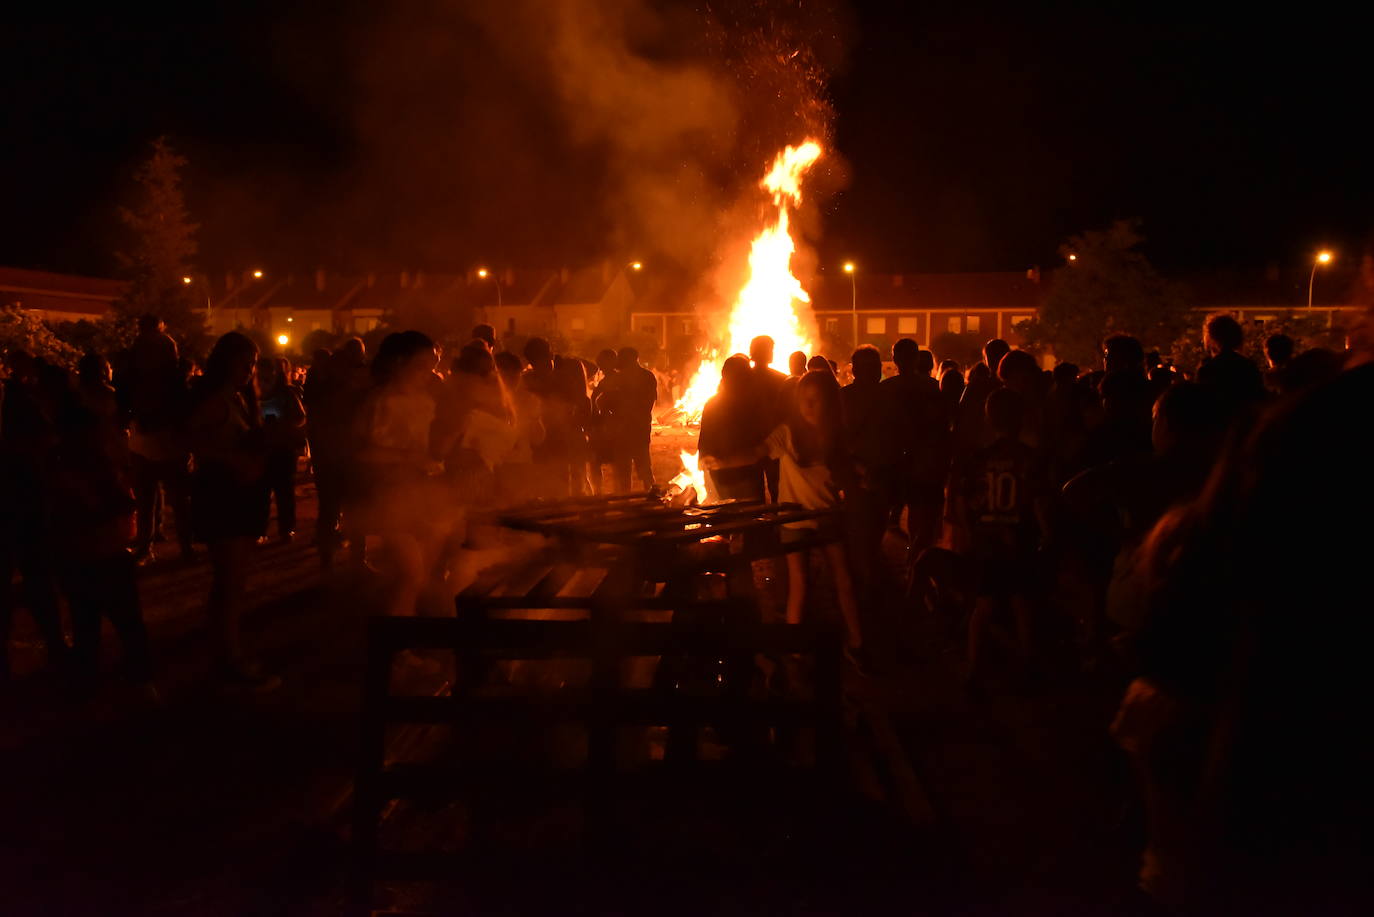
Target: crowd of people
[1179,531]
[1184,523]
[398,448]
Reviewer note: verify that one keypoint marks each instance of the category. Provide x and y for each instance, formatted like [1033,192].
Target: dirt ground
[215,804]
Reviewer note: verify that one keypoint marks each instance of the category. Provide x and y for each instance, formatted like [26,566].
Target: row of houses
[601,304]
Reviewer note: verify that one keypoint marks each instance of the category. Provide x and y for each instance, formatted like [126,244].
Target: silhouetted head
[734,374]
[867,364]
[150,324]
[606,361]
[1222,333]
[1018,370]
[231,362]
[993,352]
[354,351]
[509,366]
[94,369]
[818,399]
[819,362]
[904,354]
[761,351]
[486,333]
[925,362]
[1186,415]
[796,363]
[474,359]
[1278,350]
[538,353]
[404,358]
[628,358]
[1122,353]
[1006,411]
[1066,374]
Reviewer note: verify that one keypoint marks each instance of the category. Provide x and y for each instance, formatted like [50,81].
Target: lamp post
[853,299]
[483,273]
[1322,258]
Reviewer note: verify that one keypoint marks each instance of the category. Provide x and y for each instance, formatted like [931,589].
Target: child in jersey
[999,494]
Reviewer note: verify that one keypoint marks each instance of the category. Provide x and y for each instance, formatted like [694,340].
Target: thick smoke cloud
[547,132]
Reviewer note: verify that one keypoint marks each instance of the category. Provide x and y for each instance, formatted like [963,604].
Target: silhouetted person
[1247,720]
[1234,376]
[638,393]
[797,365]
[772,400]
[606,429]
[970,423]
[1127,399]
[160,459]
[1000,495]
[820,363]
[867,434]
[284,430]
[516,477]
[1278,351]
[730,432]
[333,395]
[90,512]
[28,436]
[920,442]
[229,494]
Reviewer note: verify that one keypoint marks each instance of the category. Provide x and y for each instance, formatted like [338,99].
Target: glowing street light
[1073,257]
[257,275]
[853,298]
[483,274]
[283,339]
[186,280]
[636,266]
[1323,257]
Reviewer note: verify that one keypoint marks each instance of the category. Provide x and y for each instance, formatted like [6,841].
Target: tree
[1107,287]
[20,329]
[164,242]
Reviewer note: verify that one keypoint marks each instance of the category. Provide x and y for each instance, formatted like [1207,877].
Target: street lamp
[853,299]
[1323,257]
[483,273]
[257,275]
[186,280]
[283,339]
[636,266]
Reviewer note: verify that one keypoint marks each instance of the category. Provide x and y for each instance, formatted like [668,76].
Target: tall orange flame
[772,300]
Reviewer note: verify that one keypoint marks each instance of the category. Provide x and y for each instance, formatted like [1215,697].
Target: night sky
[387,135]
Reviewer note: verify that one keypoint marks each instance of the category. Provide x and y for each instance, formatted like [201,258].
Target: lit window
[956,325]
[689,326]
[973,323]
[875,325]
[579,324]
[908,324]
[832,325]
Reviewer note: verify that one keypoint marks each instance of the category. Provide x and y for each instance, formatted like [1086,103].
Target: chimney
[1033,273]
[319,280]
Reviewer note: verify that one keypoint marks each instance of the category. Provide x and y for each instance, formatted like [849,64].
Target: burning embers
[772,300]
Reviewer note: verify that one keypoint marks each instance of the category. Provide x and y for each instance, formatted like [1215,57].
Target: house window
[579,324]
[875,325]
[832,325]
[973,322]
[908,324]
[956,325]
[649,328]
[689,327]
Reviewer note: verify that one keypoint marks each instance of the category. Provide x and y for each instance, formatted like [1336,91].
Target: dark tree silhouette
[164,242]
